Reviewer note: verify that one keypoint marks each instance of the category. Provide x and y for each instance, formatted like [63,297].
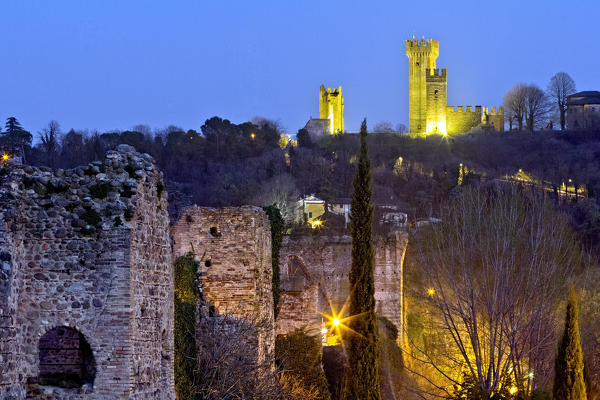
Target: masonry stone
[314,279]
[233,246]
[86,264]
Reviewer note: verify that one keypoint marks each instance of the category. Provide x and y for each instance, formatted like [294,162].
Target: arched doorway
[66,359]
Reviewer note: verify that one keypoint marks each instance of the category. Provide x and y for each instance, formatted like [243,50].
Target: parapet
[462,109]
[422,46]
[435,75]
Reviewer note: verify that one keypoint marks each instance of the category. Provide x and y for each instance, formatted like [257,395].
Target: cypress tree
[568,378]
[362,374]
[186,291]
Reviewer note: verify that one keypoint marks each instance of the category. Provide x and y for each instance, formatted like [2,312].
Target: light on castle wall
[430,292]
[252,135]
[513,390]
[5,157]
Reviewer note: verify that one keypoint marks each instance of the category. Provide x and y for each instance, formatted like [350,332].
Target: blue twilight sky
[111,64]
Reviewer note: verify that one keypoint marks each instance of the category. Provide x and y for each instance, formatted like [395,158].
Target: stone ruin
[233,246]
[314,280]
[86,278]
[86,283]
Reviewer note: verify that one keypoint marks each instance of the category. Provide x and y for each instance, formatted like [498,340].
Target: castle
[331,113]
[428,112]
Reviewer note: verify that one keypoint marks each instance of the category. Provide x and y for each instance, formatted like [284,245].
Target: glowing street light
[316,223]
[5,157]
[431,292]
[335,322]
[324,330]
[513,390]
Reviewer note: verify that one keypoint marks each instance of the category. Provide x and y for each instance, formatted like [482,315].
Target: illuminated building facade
[331,107]
[428,112]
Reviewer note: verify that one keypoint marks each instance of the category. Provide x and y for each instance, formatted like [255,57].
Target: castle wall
[495,119]
[236,271]
[460,120]
[314,279]
[79,240]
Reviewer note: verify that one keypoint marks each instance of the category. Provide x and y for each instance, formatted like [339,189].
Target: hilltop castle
[331,113]
[428,112]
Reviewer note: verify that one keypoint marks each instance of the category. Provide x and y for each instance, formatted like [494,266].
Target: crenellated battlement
[463,109]
[422,44]
[493,111]
[435,75]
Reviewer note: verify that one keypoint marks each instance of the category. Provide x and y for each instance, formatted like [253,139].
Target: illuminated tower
[421,57]
[331,106]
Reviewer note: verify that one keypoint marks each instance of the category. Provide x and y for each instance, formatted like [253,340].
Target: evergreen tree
[362,373]
[15,134]
[568,379]
[12,125]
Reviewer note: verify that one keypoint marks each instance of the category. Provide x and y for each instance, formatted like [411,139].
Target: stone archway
[65,359]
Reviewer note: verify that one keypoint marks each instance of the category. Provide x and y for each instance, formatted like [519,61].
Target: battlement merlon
[435,75]
[415,46]
[478,109]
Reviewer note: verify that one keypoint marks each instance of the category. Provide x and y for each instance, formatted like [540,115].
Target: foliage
[362,374]
[185,289]
[568,377]
[276,238]
[100,190]
[298,355]
[91,216]
[391,361]
[470,389]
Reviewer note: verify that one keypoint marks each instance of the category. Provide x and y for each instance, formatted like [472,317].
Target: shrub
[299,356]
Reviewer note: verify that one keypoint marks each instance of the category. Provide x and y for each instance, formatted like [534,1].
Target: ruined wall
[234,245]
[314,279]
[89,249]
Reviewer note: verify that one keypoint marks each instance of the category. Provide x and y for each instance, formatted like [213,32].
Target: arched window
[66,359]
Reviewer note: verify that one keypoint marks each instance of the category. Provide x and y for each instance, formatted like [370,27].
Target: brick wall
[234,247]
[314,278]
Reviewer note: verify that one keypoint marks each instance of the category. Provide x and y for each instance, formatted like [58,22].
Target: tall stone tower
[331,106]
[422,56]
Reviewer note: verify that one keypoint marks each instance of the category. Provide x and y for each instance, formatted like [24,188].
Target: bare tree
[228,369]
[496,265]
[514,103]
[537,106]
[383,127]
[561,85]
[49,137]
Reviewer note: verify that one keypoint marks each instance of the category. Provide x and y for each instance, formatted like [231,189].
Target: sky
[111,64]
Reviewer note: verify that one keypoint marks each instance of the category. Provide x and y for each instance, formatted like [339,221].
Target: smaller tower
[436,101]
[331,106]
